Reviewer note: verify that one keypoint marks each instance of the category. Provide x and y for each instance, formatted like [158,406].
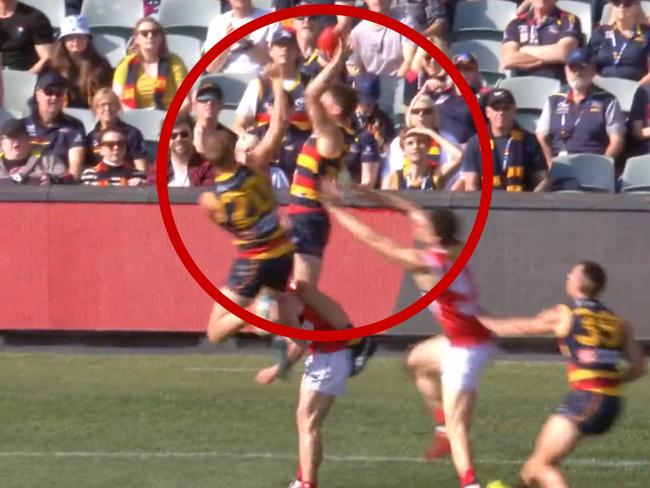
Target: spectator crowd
[420,136]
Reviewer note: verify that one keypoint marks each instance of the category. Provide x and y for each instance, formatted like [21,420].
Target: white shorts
[328,372]
[462,365]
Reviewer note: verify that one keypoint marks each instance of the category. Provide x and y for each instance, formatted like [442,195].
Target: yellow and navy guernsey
[310,166]
[298,117]
[594,346]
[248,210]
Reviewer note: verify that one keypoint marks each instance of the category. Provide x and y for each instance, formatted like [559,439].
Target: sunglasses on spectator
[150,32]
[422,111]
[114,144]
[183,134]
[501,107]
[53,92]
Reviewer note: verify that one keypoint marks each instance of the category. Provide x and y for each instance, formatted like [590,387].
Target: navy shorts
[310,232]
[593,413]
[249,276]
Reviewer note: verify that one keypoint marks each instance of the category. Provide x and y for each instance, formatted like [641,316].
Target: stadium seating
[594,172]
[582,10]
[188,17]
[527,120]
[18,88]
[636,175]
[148,121]
[485,19]
[84,115]
[113,16]
[487,51]
[621,88]
[391,94]
[113,47]
[530,92]
[563,176]
[186,47]
[232,86]
[8,115]
[53,9]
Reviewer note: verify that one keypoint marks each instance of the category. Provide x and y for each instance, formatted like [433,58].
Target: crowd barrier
[89,259]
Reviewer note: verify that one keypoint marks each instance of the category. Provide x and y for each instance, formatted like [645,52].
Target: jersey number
[601,330]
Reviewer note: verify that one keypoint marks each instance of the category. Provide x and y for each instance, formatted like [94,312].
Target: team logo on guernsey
[562,108]
[523,34]
[299,104]
[553,29]
[596,106]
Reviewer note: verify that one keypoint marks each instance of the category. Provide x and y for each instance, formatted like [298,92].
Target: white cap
[74,24]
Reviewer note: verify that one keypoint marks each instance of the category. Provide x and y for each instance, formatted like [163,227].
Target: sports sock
[468,477]
[439,416]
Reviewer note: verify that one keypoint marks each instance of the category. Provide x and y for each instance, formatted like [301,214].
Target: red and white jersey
[457,307]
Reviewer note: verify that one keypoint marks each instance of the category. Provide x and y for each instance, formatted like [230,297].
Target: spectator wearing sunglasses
[150,75]
[455,121]
[208,103]
[186,167]
[582,119]
[306,30]
[621,48]
[114,168]
[537,42]
[442,154]
[517,157]
[52,132]
[106,107]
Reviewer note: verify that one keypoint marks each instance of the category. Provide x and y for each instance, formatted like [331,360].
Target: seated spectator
[19,163]
[207,105]
[247,55]
[422,114]
[417,173]
[106,107]
[186,167]
[377,49]
[639,120]
[518,162]
[52,132]
[621,48]
[375,129]
[114,168]
[150,75]
[455,121]
[428,17]
[584,119]
[538,42]
[77,60]
[342,23]
[253,109]
[26,36]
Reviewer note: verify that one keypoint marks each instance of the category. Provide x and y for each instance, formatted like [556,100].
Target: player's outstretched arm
[416,214]
[551,321]
[261,156]
[329,138]
[407,258]
[634,355]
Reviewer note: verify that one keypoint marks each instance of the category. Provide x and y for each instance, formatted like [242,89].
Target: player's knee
[304,289]
[215,335]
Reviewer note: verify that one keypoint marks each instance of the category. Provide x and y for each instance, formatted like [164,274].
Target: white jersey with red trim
[456,308]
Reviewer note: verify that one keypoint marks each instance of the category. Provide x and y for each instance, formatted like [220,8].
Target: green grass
[76,405]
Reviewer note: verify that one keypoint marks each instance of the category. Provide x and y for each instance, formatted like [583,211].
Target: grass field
[196,421]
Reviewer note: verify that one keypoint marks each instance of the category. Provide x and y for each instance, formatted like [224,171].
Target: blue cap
[283,35]
[50,78]
[580,56]
[367,88]
[465,58]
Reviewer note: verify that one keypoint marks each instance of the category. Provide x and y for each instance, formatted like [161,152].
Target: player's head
[586,279]
[218,150]
[445,226]
[340,102]
[244,146]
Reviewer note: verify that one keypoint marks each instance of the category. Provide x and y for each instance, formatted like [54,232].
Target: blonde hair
[105,95]
[163,50]
[639,15]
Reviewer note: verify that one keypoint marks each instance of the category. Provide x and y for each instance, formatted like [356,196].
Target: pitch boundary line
[591,462]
